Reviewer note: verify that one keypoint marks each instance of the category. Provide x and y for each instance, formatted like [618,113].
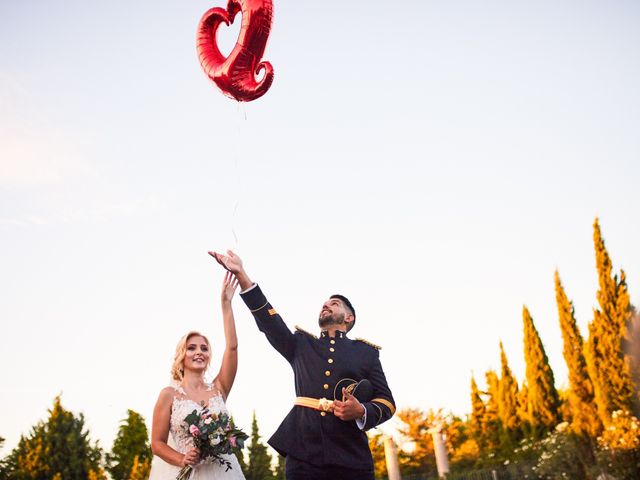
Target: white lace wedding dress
[181,440]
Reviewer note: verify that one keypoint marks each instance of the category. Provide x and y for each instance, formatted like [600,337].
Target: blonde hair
[177,369]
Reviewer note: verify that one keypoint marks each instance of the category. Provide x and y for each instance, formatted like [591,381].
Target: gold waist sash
[322,404]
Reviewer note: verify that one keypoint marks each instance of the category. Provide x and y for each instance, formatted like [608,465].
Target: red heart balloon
[236,75]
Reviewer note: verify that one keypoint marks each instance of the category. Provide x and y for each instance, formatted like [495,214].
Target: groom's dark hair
[350,308]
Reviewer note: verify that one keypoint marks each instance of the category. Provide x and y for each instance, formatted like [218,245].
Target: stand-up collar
[339,334]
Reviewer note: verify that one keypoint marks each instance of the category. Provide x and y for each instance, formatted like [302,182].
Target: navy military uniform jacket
[310,435]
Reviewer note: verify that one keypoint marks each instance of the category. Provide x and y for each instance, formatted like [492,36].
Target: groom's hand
[350,409]
[230,261]
[233,264]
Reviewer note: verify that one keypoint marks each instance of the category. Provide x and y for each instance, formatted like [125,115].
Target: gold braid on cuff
[254,311]
[386,403]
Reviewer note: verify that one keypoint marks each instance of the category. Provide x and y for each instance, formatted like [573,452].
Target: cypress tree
[279,472]
[478,413]
[633,351]
[608,368]
[508,404]
[240,455]
[131,441]
[59,448]
[492,420]
[523,409]
[564,408]
[581,402]
[542,395]
[243,464]
[259,464]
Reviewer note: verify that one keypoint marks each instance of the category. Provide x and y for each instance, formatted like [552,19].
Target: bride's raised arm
[229,367]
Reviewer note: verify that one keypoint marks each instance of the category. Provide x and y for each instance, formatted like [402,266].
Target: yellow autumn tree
[542,396]
[415,430]
[608,368]
[510,431]
[376,445]
[580,398]
[140,469]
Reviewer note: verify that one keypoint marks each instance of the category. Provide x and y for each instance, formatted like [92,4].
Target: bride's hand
[229,286]
[191,457]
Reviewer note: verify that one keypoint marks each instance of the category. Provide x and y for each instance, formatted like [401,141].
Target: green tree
[259,464]
[242,462]
[132,441]
[57,448]
[3,472]
[510,431]
[583,413]
[279,472]
[240,456]
[542,395]
[608,368]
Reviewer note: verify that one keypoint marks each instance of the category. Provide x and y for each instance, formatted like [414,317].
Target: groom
[322,437]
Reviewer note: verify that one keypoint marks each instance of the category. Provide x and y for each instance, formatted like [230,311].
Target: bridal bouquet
[214,435]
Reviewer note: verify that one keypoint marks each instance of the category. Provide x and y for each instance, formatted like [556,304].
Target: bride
[190,392]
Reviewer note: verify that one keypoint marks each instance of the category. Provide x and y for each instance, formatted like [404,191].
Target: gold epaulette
[377,347]
[302,330]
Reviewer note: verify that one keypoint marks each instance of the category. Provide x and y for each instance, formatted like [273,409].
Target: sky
[433,161]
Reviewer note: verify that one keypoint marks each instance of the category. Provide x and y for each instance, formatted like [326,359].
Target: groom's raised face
[334,312]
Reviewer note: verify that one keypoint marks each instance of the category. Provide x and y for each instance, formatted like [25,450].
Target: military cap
[362,390]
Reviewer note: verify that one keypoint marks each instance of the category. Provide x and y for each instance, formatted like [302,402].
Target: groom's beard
[331,319]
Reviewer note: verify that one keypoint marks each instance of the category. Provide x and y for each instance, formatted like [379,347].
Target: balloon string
[242,114]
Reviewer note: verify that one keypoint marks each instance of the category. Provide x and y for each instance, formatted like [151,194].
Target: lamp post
[440,448]
[391,457]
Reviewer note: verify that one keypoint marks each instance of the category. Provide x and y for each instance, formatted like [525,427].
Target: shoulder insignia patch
[302,330]
[272,312]
[377,347]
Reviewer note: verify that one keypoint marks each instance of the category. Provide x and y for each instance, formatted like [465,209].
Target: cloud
[94,211]
[33,158]
[34,152]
